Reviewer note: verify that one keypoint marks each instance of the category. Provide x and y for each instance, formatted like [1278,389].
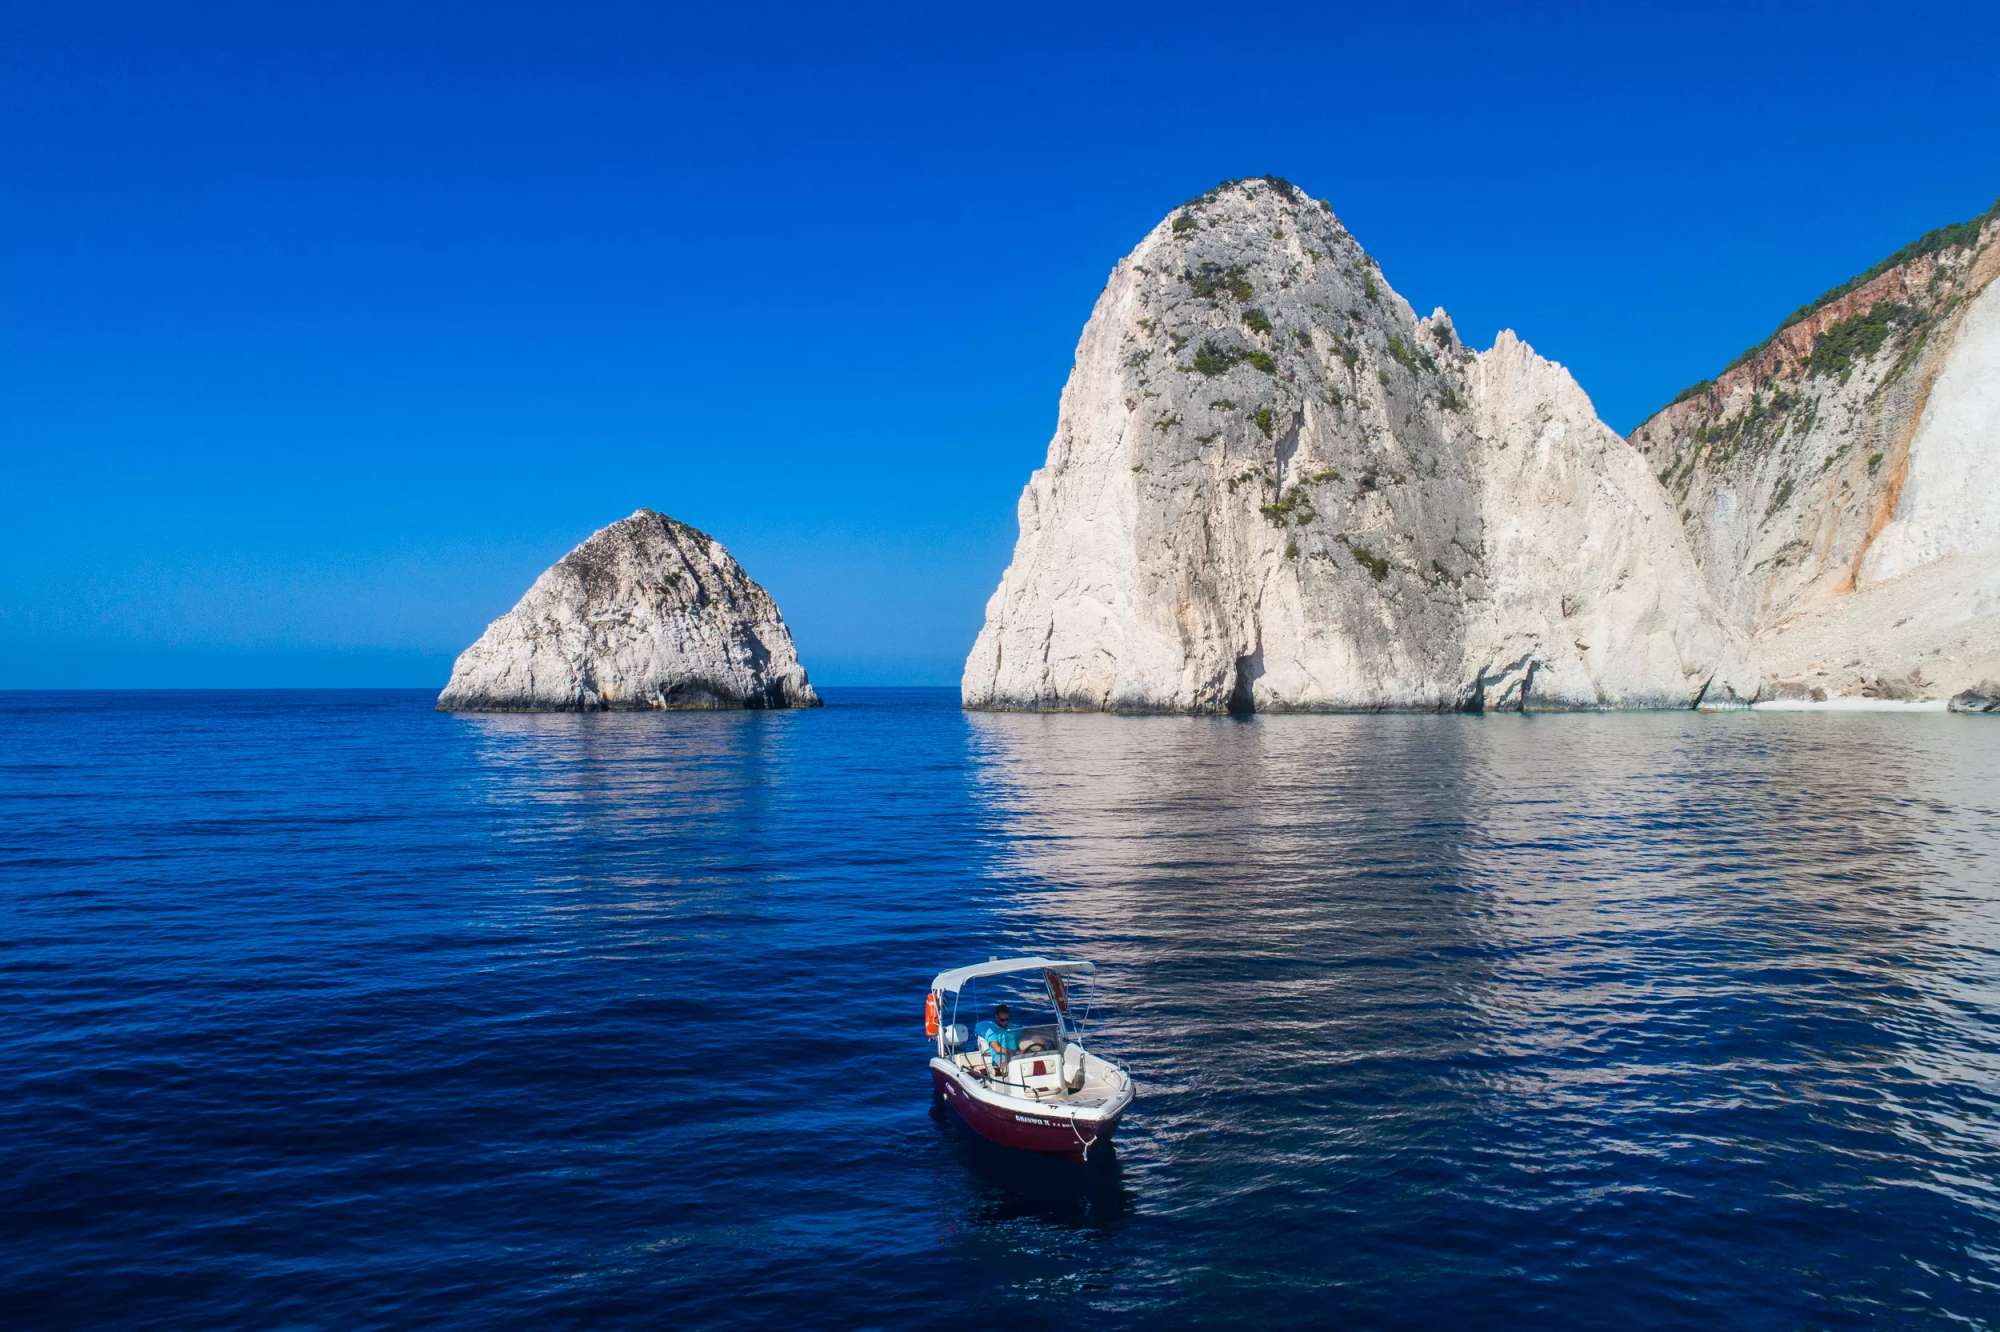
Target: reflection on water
[620,775]
[1017,1186]
[1538,995]
[332,1009]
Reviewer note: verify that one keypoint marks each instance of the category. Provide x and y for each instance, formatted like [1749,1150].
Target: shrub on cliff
[1214,359]
[1212,280]
[1854,338]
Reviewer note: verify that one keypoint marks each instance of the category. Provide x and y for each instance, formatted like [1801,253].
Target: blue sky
[323,329]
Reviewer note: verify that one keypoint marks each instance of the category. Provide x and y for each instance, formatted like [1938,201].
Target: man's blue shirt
[998,1038]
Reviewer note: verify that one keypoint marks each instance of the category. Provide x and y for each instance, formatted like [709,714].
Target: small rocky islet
[1273,486]
[647,614]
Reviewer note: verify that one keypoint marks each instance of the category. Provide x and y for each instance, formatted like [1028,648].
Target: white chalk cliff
[647,614]
[1273,487]
[1838,481]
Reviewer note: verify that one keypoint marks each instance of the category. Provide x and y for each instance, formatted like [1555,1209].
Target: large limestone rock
[647,613]
[1838,485]
[1273,487]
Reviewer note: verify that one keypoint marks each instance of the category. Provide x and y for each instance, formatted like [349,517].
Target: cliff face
[648,613]
[1272,486]
[1836,482]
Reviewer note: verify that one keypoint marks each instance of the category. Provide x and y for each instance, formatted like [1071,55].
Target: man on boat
[997,1039]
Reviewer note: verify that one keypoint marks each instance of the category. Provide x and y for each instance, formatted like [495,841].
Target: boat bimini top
[951,982]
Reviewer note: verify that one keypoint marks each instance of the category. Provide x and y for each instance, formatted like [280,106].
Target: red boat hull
[1011,1128]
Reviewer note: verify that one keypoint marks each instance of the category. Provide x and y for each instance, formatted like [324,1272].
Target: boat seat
[1020,1076]
[1021,1073]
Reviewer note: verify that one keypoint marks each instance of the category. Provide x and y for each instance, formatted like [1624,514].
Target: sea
[324,1009]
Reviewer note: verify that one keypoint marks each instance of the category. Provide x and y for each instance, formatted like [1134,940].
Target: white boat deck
[1044,1090]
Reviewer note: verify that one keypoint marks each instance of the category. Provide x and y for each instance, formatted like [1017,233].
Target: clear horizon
[330,331]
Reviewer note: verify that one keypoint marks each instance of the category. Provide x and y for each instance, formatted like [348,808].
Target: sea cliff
[1837,481]
[1273,486]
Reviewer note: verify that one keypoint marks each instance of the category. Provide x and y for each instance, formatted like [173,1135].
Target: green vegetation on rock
[1214,359]
[1778,498]
[1377,567]
[1213,280]
[1410,358]
[1293,507]
[1840,345]
[1763,423]
[1948,237]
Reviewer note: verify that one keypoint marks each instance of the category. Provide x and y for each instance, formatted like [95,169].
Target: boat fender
[1072,1068]
[931,1015]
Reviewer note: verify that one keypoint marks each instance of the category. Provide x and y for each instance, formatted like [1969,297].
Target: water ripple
[329,1010]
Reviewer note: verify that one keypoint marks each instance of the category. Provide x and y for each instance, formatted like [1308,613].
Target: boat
[1030,1085]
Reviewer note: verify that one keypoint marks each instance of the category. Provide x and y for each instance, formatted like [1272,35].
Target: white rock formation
[1838,481]
[1949,503]
[1273,487]
[1589,573]
[648,613]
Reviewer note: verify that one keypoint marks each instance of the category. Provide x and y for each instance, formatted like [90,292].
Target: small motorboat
[1029,1082]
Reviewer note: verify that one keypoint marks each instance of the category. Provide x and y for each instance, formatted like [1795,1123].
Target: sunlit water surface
[325,1009]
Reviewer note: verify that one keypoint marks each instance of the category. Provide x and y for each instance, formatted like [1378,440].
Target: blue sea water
[324,1009]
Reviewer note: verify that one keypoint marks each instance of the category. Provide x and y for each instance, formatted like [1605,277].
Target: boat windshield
[1034,1016]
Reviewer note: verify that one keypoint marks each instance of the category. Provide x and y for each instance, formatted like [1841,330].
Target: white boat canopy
[951,982]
